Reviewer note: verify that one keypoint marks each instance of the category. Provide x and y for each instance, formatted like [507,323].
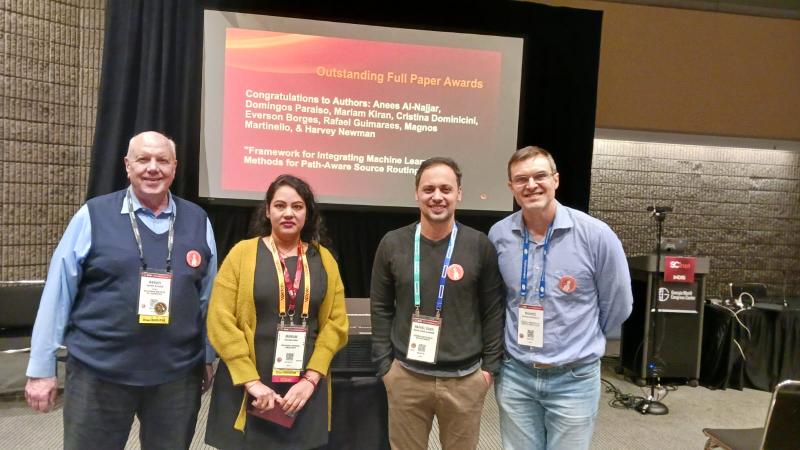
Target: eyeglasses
[523,180]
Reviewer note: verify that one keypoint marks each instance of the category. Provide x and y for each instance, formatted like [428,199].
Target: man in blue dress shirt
[568,286]
[126,293]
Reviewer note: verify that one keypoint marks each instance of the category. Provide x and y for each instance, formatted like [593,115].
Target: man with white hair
[126,292]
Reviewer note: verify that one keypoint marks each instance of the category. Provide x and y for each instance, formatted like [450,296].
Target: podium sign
[676,297]
[679,269]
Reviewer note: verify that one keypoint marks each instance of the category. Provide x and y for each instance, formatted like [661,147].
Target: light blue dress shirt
[66,270]
[575,323]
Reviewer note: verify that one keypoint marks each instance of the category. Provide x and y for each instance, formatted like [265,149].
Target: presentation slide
[354,109]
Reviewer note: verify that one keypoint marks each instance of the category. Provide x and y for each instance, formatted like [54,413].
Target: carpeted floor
[691,409]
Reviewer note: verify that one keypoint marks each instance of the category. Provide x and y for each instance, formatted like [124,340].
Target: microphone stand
[650,405]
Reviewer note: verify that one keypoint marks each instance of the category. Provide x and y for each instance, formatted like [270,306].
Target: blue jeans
[547,408]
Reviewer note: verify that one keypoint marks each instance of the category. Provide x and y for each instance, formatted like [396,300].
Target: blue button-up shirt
[64,275]
[575,323]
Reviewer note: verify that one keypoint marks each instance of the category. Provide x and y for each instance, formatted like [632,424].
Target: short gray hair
[154,138]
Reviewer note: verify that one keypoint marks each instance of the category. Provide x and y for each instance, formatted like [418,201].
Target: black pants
[99,414]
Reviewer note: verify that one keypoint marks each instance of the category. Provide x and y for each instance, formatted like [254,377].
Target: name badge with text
[290,347]
[154,294]
[424,341]
[531,325]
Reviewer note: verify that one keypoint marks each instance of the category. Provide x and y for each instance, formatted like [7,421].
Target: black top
[472,311]
[310,429]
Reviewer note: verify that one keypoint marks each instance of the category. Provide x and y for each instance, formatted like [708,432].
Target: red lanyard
[293,287]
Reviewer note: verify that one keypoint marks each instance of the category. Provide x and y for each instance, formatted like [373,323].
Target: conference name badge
[154,294]
[531,325]
[290,347]
[424,341]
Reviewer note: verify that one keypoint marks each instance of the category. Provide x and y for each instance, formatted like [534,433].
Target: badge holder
[530,317]
[530,320]
[290,342]
[423,342]
[290,347]
[154,295]
[155,286]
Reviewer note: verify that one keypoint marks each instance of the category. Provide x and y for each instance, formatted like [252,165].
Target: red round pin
[193,258]
[455,272]
[567,284]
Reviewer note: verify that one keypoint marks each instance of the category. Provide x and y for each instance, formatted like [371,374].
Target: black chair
[19,302]
[779,433]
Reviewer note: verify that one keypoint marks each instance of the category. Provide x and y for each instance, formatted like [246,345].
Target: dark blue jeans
[99,414]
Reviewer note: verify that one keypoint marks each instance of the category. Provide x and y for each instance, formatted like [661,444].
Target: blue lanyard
[442,278]
[526,243]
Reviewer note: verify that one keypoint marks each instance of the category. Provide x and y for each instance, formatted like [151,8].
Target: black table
[765,356]
[359,416]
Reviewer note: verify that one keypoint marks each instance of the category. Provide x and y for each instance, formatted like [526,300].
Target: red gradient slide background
[286,63]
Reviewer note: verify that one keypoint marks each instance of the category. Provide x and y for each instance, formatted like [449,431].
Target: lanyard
[442,278]
[292,286]
[283,280]
[138,236]
[526,243]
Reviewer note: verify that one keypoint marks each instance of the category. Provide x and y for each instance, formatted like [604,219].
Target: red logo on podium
[679,269]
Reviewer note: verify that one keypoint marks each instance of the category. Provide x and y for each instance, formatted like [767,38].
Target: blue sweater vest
[104,331]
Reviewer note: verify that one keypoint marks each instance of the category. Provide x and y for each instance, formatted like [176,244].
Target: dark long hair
[313,231]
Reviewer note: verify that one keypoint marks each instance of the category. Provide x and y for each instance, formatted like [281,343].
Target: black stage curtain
[151,80]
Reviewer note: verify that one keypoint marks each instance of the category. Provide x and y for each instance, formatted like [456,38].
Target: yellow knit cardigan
[232,319]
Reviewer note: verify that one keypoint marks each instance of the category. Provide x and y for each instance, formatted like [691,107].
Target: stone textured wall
[51,56]
[738,206]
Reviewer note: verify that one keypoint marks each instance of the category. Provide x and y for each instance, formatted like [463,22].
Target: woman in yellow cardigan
[276,318]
